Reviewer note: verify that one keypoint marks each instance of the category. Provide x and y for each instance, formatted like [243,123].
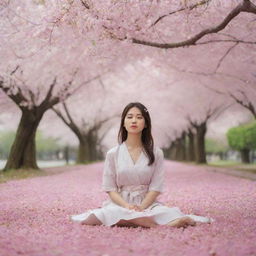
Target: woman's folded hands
[137,208]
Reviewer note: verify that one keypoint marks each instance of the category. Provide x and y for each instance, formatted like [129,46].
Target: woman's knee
[145,222]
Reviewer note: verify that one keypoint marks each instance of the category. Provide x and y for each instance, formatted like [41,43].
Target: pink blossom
[35,214]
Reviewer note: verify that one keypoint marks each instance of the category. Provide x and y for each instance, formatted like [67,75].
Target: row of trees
[189,148]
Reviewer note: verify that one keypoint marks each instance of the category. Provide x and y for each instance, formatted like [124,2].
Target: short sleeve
[109,174]
[157,180]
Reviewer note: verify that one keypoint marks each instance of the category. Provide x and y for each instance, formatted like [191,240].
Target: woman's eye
[139,117]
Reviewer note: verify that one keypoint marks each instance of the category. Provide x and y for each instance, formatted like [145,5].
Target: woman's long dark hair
[146,137]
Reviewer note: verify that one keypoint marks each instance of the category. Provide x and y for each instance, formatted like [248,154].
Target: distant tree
[243,139]
[213,146]
[46,146]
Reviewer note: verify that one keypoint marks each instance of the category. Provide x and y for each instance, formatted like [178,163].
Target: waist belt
[133,190]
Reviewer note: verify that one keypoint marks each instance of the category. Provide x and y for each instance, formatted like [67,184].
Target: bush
[242,137]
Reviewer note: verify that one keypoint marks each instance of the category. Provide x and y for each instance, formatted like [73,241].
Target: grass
[224,163]
[29,173]
[229,165]
[20,174]
[235,165]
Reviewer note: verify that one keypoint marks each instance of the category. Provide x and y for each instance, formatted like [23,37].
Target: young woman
[133,177]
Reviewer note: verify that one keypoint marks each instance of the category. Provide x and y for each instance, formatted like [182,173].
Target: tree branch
[49,93]
[69,122]
[209,74]
[32,97]
[17,96]
[101,122]
[191,7]
[104,134]
[248,106]
[224,56]
[85,4]
[14,70]
[58,113]
[84,83]
[226,41]
[245,6]
[68,114]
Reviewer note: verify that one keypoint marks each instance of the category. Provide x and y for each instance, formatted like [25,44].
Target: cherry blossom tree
[37,74]
[87,126]
[23,149]
[196,105]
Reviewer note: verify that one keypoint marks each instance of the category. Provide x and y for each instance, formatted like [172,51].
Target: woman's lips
[134,126]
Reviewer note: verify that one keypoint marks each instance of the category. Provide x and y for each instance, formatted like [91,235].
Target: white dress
[132,181]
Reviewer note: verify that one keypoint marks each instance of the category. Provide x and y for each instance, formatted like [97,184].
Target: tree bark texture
[191,147]
[200,154]
[23,151]
[245,156]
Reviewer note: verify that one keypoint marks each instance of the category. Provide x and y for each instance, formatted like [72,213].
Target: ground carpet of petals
[34,216]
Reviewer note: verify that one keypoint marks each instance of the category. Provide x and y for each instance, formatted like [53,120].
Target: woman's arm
[149,199]
[157,181]
[116,198]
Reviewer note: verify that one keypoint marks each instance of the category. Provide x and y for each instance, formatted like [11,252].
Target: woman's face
[134,122]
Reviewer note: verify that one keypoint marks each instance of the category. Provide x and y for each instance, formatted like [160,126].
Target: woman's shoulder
[112,150]
[158,152]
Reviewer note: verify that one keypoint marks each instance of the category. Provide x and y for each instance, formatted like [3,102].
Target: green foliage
[242,137]
[6,141]
[215,146]
[45,146]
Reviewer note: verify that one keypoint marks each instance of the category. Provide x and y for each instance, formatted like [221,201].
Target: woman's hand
[134,207]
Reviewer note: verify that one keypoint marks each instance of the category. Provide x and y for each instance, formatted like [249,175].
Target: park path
[34,216]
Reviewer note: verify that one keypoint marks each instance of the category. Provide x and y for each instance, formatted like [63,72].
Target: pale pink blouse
[121,172]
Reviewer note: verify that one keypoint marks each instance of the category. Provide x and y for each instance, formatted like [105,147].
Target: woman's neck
[134,140]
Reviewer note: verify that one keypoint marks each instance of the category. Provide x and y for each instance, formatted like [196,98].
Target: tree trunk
[66,154]
[167,152]
[172,151]
[92,140]
[200,143]
[221,155]
[181,148]
[23,150]
[178,147]
[245,156]
[191,147]
[83,151]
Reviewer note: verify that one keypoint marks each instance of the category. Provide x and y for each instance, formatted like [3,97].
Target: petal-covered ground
[34,217]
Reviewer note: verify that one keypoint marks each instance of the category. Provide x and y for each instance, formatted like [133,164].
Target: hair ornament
[145,110]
